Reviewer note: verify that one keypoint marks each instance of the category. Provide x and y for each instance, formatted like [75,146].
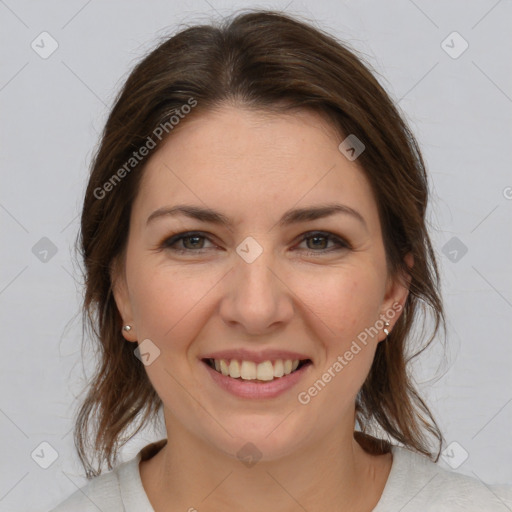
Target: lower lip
[255,390]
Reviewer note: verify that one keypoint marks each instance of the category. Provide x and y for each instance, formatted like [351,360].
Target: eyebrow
[293,216]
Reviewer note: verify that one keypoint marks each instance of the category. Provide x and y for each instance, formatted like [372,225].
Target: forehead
[236,160]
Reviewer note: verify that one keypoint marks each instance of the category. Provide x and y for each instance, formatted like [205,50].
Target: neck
[190,474]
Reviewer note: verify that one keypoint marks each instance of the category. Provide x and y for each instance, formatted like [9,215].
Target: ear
[122,299]
[397,291]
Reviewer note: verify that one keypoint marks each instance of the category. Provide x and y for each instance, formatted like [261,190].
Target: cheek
[343,300]
[167,300]
[169,309]
[344,306]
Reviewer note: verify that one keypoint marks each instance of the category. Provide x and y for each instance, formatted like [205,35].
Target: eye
[194,242]
[319,241]
[190,241]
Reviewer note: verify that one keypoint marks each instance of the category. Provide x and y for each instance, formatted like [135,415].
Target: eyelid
[173,239]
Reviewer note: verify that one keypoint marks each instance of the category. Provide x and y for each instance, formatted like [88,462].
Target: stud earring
[127,328]
[386,330]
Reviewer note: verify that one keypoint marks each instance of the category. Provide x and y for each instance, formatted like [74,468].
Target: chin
[264,439]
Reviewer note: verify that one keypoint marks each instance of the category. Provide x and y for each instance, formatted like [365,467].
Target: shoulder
[120,490]
[100,493]
[417,483]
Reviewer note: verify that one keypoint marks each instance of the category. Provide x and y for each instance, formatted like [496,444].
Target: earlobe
[396,296]
[122,300]
[128,333]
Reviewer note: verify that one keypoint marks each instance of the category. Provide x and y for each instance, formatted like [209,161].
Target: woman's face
[276,282]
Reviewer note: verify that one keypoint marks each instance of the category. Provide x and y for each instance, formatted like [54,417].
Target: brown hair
[270,62]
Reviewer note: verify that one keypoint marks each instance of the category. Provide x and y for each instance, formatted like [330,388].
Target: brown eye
[318,243]
[193,242]
[186,242]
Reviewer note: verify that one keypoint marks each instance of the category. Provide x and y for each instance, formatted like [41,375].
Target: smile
[249,370]
[261,380]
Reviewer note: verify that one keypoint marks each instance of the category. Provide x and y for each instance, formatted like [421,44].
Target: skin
[297,295]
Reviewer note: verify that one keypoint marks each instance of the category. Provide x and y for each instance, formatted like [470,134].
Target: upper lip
[243,354]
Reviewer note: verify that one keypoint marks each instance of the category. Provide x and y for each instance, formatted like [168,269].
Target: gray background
[53,109]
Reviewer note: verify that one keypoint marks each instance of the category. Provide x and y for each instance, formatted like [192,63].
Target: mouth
[264,372]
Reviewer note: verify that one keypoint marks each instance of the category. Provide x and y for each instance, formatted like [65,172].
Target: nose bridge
[255,280]
[256,298]
[254,258]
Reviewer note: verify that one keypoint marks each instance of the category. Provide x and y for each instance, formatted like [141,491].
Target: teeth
[265,371]
[278,368]
[224,367]
[234,369]
[249,370]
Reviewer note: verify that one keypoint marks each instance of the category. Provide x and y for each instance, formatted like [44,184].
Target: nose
[256,298]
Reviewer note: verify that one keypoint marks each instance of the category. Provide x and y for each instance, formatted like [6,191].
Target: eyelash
[168,243]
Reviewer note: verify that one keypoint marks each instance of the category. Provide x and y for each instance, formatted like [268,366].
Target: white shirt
[414,484]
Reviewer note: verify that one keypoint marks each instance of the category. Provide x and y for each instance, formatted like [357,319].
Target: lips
[257,389]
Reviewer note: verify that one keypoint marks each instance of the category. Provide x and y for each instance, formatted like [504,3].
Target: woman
[256,255]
